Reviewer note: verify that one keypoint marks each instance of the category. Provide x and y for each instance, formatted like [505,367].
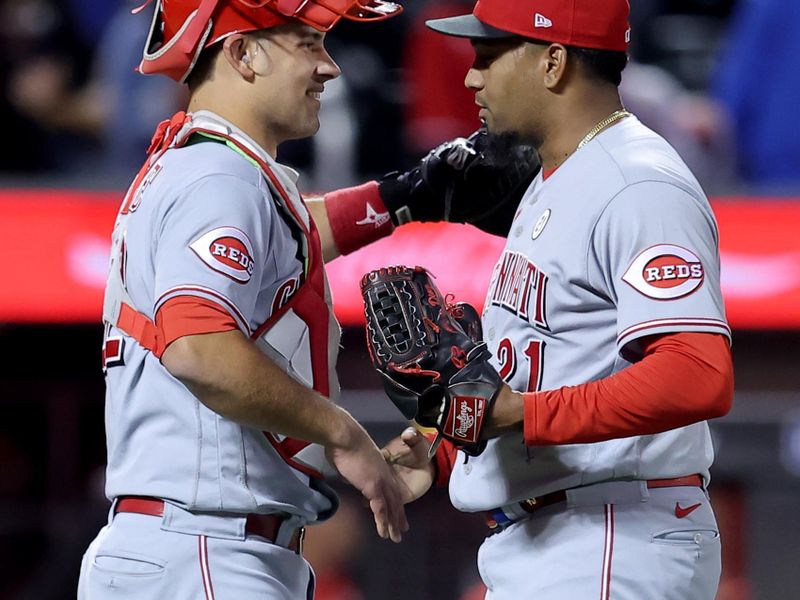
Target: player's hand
[359,461]
[408,455]
[479,180]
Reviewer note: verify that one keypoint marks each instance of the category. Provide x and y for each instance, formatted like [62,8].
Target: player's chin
[506,136]
[308,126]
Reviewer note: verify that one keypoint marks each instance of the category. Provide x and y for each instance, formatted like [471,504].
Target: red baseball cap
[596,24]
[182,28]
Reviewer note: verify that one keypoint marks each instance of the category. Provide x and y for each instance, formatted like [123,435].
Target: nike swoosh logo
[681,512]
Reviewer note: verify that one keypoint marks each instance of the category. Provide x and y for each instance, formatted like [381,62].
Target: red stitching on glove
[415,370]
[433,298]
[432,325]
[458,357]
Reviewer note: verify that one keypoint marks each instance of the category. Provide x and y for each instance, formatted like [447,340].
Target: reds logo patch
[226,250]
[665,272]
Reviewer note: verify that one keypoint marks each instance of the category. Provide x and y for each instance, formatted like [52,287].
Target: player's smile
[315,93]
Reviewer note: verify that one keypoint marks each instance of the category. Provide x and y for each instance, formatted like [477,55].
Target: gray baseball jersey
[619,243]
[206,221]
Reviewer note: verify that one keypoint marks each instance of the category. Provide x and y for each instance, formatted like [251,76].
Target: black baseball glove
[479,180]
[434,365]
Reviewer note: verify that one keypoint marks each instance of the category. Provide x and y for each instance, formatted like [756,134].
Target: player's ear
[555,64]
[239,51]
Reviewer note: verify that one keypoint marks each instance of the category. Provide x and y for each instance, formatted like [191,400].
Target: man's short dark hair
[202,68]
[603,65]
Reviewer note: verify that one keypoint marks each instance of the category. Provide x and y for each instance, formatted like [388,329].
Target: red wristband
[357,216]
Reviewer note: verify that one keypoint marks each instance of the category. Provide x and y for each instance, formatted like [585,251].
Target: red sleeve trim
[189,315]
[357,216]
[443,461]
[683,378]
[710,325]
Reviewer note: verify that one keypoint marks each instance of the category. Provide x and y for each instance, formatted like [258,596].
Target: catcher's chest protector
[298,335]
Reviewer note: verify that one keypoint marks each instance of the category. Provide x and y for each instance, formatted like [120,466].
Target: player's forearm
[316,206]
[675,385]
[228,374]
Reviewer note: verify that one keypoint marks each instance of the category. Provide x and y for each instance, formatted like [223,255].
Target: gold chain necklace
[617,115]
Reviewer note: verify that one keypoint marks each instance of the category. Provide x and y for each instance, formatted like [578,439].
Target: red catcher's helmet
[182,28]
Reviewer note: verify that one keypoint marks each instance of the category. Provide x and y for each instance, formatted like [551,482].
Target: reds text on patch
[665,272]
[226,250]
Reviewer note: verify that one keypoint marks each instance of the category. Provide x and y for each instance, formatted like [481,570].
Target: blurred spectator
[92,17]
[370,57]
[438,105]
[36,35]
[697,126]
[681,36]
[117,107]
[759,82]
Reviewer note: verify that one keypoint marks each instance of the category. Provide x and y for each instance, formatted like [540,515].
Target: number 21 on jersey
[533,357]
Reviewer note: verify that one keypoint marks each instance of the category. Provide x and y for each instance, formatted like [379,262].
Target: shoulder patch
[665,272]
[226,250]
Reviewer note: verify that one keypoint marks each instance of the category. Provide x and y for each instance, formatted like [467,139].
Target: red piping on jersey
[608,552]
[721,326]
[205,569]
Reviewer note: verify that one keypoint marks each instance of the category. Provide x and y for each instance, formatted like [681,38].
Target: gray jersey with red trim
[205,223]
[619,243]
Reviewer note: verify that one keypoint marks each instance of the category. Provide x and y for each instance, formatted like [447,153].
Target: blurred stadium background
[718,78]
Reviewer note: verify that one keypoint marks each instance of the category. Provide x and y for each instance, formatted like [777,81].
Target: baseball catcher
[430,354]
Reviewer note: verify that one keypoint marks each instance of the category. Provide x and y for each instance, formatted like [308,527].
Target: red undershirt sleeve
[682,378]
[189,315]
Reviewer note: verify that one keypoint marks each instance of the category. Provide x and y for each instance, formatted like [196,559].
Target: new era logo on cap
[541,21]
[581,23]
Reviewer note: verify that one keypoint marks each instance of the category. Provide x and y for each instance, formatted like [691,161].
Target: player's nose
[327,67]
[473,80]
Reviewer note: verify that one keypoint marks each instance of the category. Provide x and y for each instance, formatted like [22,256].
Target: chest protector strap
[308,302]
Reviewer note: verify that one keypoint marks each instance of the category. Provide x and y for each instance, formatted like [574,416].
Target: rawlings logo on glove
[430,354]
